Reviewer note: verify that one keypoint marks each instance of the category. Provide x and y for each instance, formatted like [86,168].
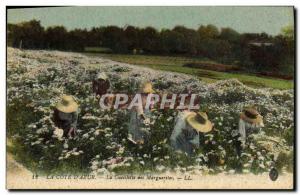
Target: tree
[288,31]
[28,35]
[77,40]
[13,35]
[149,39]
[189,41]
[132,38]
[56,38]
[229,34]
[95,37]
[113,38]
[208,32]
[171,42]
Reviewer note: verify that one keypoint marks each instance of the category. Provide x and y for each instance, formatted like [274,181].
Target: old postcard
[150,98]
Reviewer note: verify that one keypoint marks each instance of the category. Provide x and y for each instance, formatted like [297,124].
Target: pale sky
[242,19]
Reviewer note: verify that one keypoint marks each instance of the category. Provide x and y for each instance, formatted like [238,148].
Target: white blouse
[245,128]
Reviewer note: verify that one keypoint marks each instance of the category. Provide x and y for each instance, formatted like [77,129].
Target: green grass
[97,49]
[175,64]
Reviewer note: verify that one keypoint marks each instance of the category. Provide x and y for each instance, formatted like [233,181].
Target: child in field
[65,115]
[250,120]
[101,84]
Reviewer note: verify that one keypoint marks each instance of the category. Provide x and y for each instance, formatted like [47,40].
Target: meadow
[36,79]
[176,64]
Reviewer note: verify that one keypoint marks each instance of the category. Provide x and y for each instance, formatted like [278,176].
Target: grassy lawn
[175,64]
[97,49]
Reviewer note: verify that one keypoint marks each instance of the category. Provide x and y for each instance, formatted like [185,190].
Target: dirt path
[18,177]
[15,168]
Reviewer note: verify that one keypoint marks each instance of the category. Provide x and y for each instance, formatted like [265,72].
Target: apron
[246,129]
[184,137]
[136,131]
[65,120]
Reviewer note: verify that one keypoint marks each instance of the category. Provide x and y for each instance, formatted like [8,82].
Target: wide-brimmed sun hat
[102,76]
[147,88]
[67,104]
[199,121]
[251,115]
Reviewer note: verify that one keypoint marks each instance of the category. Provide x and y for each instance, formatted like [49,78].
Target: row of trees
[261,52]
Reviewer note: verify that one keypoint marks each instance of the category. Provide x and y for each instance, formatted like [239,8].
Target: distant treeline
[258,52]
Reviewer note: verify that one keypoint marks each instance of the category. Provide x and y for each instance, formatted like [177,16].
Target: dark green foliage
[225,46]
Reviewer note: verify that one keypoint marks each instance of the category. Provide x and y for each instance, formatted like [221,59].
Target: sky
[243,19]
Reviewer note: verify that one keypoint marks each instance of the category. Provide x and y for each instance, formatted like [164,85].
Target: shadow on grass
[207,75]
[254,84]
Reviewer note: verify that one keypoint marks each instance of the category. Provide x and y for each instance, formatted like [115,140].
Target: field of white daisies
[37,79]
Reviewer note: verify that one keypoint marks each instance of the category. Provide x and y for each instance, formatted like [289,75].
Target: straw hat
[199,121]
[67,104]
[252,116]
[147,88]
[102,76]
